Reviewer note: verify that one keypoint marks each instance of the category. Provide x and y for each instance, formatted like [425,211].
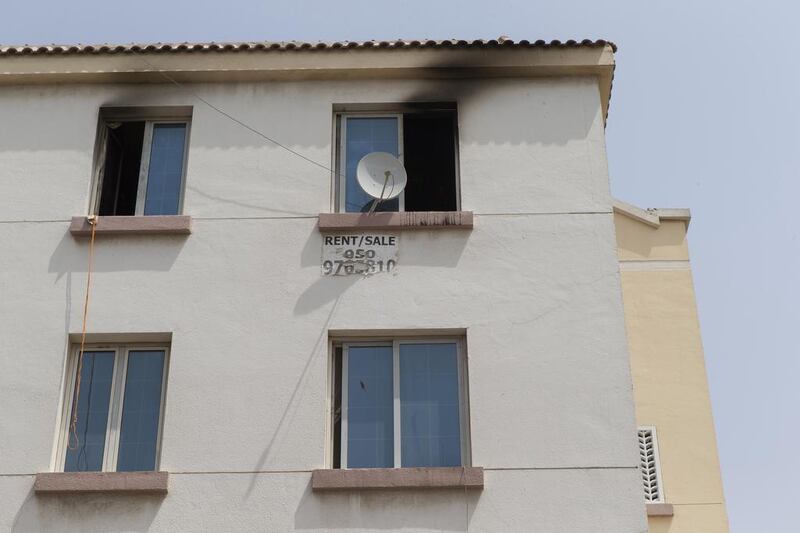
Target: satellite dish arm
[377,201]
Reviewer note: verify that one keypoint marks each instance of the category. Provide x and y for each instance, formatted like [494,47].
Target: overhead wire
[231,117]
[248,127]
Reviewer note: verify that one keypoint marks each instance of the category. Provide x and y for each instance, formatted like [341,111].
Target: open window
[116,394]
[399,404]
[423,137]
[141,161]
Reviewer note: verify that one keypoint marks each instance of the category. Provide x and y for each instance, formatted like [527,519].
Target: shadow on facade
[251,205]
[86,512]
[296,398]
[322,292]
[435,510]
[116,254]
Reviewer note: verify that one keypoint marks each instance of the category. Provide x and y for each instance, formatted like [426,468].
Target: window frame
[341,162]
[116,400]
[342,111]
[463,393]
[144,162]
[144,165]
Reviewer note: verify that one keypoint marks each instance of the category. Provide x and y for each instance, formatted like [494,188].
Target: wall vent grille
[649,465]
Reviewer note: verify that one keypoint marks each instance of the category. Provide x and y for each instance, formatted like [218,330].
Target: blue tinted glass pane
[165,170]
[88,442]
[366,135]
[141,409]
[429,413]
[370,397]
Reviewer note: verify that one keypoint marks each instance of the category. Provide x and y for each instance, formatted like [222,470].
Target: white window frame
[116,401]
[463,410]
[657,459]
[144,163]
[342,156]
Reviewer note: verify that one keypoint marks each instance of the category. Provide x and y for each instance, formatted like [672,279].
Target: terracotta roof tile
[58,49]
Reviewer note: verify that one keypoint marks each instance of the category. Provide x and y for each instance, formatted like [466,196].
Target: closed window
[141,166]
[423,139]
[400,403]
[114,414]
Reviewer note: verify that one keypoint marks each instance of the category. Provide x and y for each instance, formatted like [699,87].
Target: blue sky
[704,114]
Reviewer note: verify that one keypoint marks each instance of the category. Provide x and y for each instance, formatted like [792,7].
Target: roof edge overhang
[652,217]
[134,65]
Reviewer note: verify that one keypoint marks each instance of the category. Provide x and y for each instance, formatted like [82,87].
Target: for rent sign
[345,254]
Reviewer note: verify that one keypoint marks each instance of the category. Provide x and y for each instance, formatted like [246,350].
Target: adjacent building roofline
[652,217]
[256,61]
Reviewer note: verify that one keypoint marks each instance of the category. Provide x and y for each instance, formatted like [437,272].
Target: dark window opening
[121,169]
[337,407]
[429,156]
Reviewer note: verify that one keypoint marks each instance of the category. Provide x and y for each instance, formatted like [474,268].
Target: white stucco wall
[536,285]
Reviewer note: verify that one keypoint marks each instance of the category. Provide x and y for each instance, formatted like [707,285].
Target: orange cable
[74,422]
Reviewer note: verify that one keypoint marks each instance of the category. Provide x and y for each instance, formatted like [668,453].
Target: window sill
[399,220]
[397,478]
[133,225]
[659,509]
[105,482]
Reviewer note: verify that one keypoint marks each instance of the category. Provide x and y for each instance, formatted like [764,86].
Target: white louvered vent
[649,465]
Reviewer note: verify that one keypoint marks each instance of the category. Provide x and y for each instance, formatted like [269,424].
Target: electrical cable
[264,136]
[73,432]
[231,117]
[82,453]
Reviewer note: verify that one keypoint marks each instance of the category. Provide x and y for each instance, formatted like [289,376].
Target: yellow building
[680,465]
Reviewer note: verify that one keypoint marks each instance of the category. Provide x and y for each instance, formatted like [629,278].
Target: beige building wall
[668,368]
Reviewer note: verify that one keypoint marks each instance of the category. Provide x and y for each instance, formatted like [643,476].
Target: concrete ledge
[659,509]
[398,220]
[107,482]
[651,217]
[397,478]
[141,225]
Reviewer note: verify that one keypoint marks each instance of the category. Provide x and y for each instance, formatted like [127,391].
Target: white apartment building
[240,370]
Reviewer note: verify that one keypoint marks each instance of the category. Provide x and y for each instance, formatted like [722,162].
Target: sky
[704,114]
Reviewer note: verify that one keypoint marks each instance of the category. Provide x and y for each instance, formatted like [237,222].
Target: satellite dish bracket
[377,201]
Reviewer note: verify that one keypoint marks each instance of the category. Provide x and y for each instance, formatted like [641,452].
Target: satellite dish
[381,175]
